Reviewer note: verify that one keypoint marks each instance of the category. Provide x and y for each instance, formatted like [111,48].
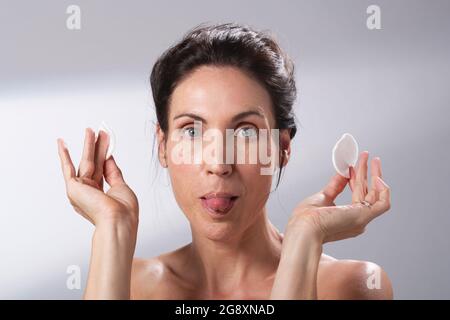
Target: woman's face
[218,98]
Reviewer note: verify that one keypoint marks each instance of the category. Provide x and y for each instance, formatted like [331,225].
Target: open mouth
[218,205]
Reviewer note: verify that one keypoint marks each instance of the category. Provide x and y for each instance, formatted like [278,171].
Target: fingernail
[62,142]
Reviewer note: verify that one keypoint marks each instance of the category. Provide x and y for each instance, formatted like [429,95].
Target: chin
[217,231]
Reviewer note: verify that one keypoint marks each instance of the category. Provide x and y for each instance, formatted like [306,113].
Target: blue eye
[191,131]
[248,132]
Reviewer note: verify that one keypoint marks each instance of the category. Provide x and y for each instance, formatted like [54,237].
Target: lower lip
[215,213]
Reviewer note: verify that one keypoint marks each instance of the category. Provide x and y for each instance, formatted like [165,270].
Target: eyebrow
[235,118]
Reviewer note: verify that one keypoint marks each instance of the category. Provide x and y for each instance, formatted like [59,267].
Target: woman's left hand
[329,222]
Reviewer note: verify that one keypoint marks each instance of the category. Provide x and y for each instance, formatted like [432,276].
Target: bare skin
[242,256]
[166,277]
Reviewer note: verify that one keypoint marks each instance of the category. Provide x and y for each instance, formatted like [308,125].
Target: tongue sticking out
[218,204]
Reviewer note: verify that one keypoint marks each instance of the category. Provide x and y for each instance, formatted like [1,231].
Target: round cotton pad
[112,139]
[345,154]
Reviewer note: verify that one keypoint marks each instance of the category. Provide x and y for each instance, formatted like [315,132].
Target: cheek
[184,179]
[257,185]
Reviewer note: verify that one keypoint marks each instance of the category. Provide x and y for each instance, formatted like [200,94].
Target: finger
[383,204]
[360,190]
[334,187]
[362,171]
[352,179]
[87,166]
[375,168]
[66,162]
[113,174]
[372,195]
[101,147]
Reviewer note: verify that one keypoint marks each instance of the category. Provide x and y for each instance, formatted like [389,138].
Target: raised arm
[114,214]
[317,220]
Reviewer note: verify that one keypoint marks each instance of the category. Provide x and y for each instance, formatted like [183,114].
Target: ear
[161,146]
[285,146]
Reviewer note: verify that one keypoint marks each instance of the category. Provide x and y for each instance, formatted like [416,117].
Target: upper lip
[218,195]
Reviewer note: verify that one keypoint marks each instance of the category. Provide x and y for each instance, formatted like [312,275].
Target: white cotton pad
[112,139]
[345,154]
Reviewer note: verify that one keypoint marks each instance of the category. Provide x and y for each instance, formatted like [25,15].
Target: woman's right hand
[85,188]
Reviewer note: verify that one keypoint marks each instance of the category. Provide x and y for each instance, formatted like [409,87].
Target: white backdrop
[389,88]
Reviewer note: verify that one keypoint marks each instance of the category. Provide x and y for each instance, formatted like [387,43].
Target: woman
[222,77]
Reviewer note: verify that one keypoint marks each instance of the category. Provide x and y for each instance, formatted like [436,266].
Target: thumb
[113,174]
[334,187]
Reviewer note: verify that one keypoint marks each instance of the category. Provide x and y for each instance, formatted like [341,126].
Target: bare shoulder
[352,280]
[155,278]
[146,276]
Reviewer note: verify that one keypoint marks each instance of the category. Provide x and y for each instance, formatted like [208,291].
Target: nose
[219,169]
[214,156]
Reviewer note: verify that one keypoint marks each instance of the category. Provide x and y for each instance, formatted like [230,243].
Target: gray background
[388,87]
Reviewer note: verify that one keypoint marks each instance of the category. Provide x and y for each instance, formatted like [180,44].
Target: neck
[250,257]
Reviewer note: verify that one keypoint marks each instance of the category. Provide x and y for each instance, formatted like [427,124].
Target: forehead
[219,92]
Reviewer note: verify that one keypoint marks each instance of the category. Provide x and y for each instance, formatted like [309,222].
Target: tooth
[345,154]
[112,139]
